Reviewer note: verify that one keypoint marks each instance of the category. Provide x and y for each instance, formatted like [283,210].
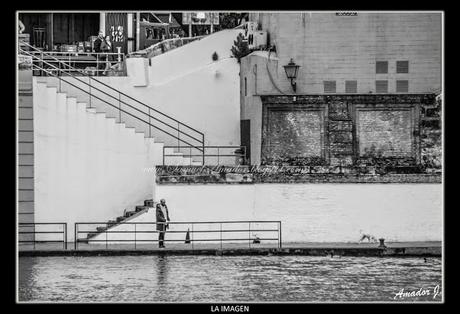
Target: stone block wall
[388,132]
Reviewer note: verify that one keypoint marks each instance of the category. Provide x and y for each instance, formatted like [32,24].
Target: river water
[227,279]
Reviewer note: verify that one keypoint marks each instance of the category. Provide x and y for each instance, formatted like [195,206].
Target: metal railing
[39,232]
[91,63]
[164,46]
[145,232]
[179,131]
[230,154]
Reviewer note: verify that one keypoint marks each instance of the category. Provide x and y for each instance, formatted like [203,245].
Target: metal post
[203,147]
[135,232]
[163,155]
[106,243]
[190,155]
[90,93]
[64,236]
[178,135]
[280,246]
[150,125]
[218,155]
[192,237]
[97,64]
[75,236]
[119,107]
[249,232]
[221,236]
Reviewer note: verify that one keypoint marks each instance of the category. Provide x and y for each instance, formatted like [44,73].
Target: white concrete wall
[317,212]
[186,84]
[87,167]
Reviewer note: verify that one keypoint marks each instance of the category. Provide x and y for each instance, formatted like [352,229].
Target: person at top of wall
[107,47]
[98,48]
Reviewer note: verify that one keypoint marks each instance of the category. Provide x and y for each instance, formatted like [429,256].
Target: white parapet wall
[87,167]
[317,212]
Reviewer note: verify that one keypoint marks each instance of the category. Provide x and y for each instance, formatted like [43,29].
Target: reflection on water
[224,278]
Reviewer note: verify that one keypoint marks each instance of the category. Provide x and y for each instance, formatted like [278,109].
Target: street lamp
[291,72]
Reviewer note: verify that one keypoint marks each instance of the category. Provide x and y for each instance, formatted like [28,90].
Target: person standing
[107,47]
[99,45]
[162,216]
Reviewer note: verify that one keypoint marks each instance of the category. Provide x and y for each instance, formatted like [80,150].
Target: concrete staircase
[127,216]
[69,103]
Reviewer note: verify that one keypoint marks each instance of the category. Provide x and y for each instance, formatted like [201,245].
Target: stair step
[149,203]
[129,213]
[140,208]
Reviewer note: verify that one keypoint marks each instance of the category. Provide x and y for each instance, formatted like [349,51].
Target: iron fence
[42,232]
[145,232]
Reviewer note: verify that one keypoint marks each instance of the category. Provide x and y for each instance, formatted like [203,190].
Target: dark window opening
[351,87]
[402,66]
[381,67]
[381,86]
[402,86]
[329,86]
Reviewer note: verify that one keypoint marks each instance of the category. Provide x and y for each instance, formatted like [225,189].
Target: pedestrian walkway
[431,248]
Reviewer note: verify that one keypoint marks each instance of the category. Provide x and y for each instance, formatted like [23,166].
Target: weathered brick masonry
[385,131]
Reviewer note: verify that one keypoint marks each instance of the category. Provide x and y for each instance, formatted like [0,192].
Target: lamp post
[291,72]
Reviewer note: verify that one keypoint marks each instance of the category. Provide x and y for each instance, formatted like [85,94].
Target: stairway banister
[172,135]
[108,86]
[117,99]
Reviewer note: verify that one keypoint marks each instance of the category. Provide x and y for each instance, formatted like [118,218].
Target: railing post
[218,155]
[221,236]
[249,232]
[202,136]
[190,155]
[97,64]
[64,236]
[281,245]
[192,237]
[150,126]
[119,107]
[163,155]
[75,239]
[135,233]
[178,135]
[106,243]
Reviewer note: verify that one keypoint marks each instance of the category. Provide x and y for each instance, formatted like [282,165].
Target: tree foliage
[240,47]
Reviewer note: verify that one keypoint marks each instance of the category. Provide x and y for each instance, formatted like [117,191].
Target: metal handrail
[110,87]
[218,154]
[106,231]
[147,51]
[201,142]
[63,231]
[121,110]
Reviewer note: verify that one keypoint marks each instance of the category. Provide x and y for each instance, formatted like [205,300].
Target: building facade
[366,90]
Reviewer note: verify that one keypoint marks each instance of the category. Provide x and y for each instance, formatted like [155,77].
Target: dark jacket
[162,218]
[97,45]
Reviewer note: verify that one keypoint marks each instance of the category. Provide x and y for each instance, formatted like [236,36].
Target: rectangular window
[351,87]
[402,86]
[381,67]
[329,87]
[381,86]
[245,87]
[402,66]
